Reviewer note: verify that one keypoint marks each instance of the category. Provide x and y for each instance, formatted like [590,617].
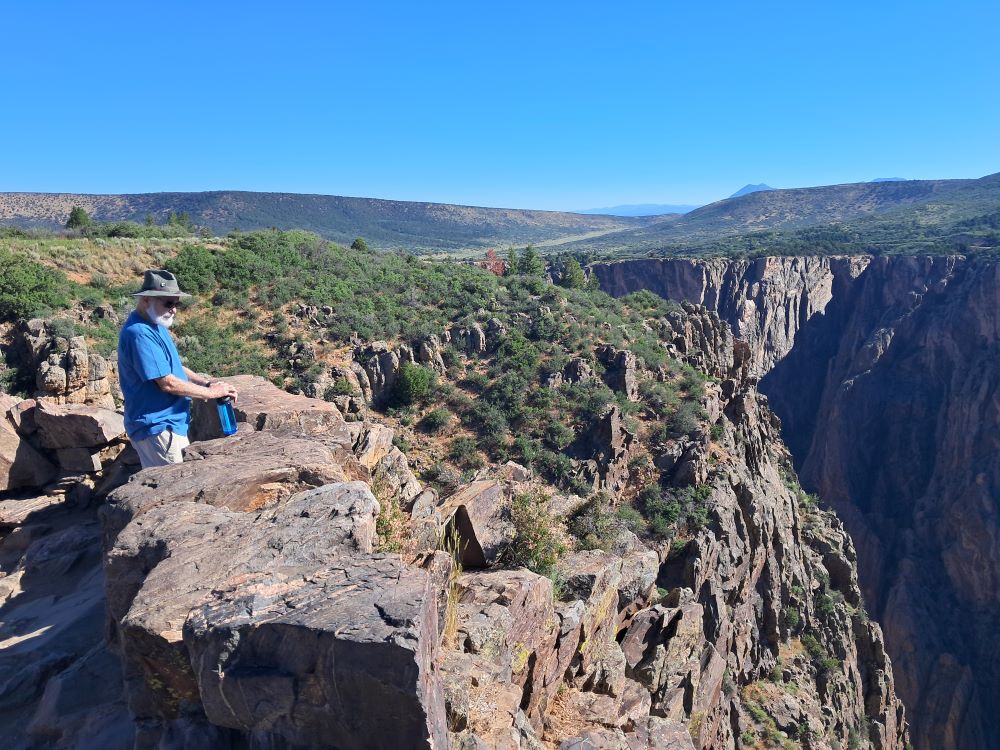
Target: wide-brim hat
[160,283]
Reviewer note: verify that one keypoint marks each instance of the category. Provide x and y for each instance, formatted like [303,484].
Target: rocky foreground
[239,600]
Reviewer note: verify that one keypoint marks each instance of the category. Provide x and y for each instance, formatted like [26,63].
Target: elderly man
[157,387]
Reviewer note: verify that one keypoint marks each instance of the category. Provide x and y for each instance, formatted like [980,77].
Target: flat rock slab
[15,512]
[76,425]
[276,622]
[263,406]
[245,472]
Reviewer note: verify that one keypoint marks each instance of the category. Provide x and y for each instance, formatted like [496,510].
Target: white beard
[165,320]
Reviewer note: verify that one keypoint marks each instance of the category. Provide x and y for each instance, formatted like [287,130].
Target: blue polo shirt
[147,352]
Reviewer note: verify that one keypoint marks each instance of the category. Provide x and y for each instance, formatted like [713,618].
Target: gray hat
[158,283]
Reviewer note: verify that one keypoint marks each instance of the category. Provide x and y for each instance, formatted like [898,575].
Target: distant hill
[383,223]
[889,179]
[923,201]
[747,189]
[641,209]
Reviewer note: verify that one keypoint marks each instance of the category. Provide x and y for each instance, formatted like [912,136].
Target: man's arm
[176,387]
[196,377]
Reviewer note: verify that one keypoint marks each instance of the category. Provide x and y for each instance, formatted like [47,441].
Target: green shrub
[594,525]
[342,387]
[194,267]
[791,617]
[464,453]
[436,420]
[78,218]
[28,288]
[631,519]
[413,384]
[686,419]
[536,544]
[238,269]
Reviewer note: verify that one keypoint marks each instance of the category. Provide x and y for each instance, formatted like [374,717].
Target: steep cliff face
[884,373]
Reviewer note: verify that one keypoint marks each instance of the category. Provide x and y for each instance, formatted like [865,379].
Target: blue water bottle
[227,417]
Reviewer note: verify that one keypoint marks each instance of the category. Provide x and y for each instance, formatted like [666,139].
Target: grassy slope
[383,223]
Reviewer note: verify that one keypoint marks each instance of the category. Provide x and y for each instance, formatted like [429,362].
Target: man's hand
[175,386]
[219,389]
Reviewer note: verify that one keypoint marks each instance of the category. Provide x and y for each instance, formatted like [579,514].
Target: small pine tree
[572,275]
[513,262]
[78,218]
[531,263]
[360,245]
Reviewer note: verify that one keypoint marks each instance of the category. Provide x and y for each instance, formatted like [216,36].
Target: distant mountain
[384,224]
[889,179]
[640,209]
[747,189]
[925,201]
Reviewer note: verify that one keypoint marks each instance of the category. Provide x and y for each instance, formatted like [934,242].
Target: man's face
[162,310]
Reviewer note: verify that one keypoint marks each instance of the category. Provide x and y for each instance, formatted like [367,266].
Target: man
[157,387]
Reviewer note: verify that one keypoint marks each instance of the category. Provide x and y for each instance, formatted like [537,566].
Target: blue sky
[528,105]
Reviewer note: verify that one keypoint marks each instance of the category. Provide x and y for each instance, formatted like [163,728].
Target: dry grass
[120,260]
[452,544]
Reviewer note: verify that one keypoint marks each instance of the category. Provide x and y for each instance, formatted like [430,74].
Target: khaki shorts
[161,449]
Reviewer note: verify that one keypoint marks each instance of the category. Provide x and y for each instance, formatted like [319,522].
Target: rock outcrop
[884,373]
[66,371]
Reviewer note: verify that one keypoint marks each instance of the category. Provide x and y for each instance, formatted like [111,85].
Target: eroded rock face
[620,370]
[246,472]
[605,452]
[883,372]
[766,300]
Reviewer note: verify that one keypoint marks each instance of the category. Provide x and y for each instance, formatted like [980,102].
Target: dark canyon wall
[886,374]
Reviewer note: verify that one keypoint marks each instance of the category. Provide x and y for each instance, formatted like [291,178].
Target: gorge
[884,372]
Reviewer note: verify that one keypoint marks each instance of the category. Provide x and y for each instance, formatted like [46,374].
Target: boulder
[427,351]
[476,511]
[263,406]
[605,451]
[20,464]
[66,372]
[79,459]
[275,623]
[593,577]
[371,442]
[578,370]
[306,658]
[22,416]
[514,472]
[77,425]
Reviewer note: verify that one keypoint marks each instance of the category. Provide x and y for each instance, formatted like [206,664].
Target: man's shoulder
[136,331]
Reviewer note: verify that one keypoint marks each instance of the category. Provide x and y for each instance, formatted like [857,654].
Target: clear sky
[554,105]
